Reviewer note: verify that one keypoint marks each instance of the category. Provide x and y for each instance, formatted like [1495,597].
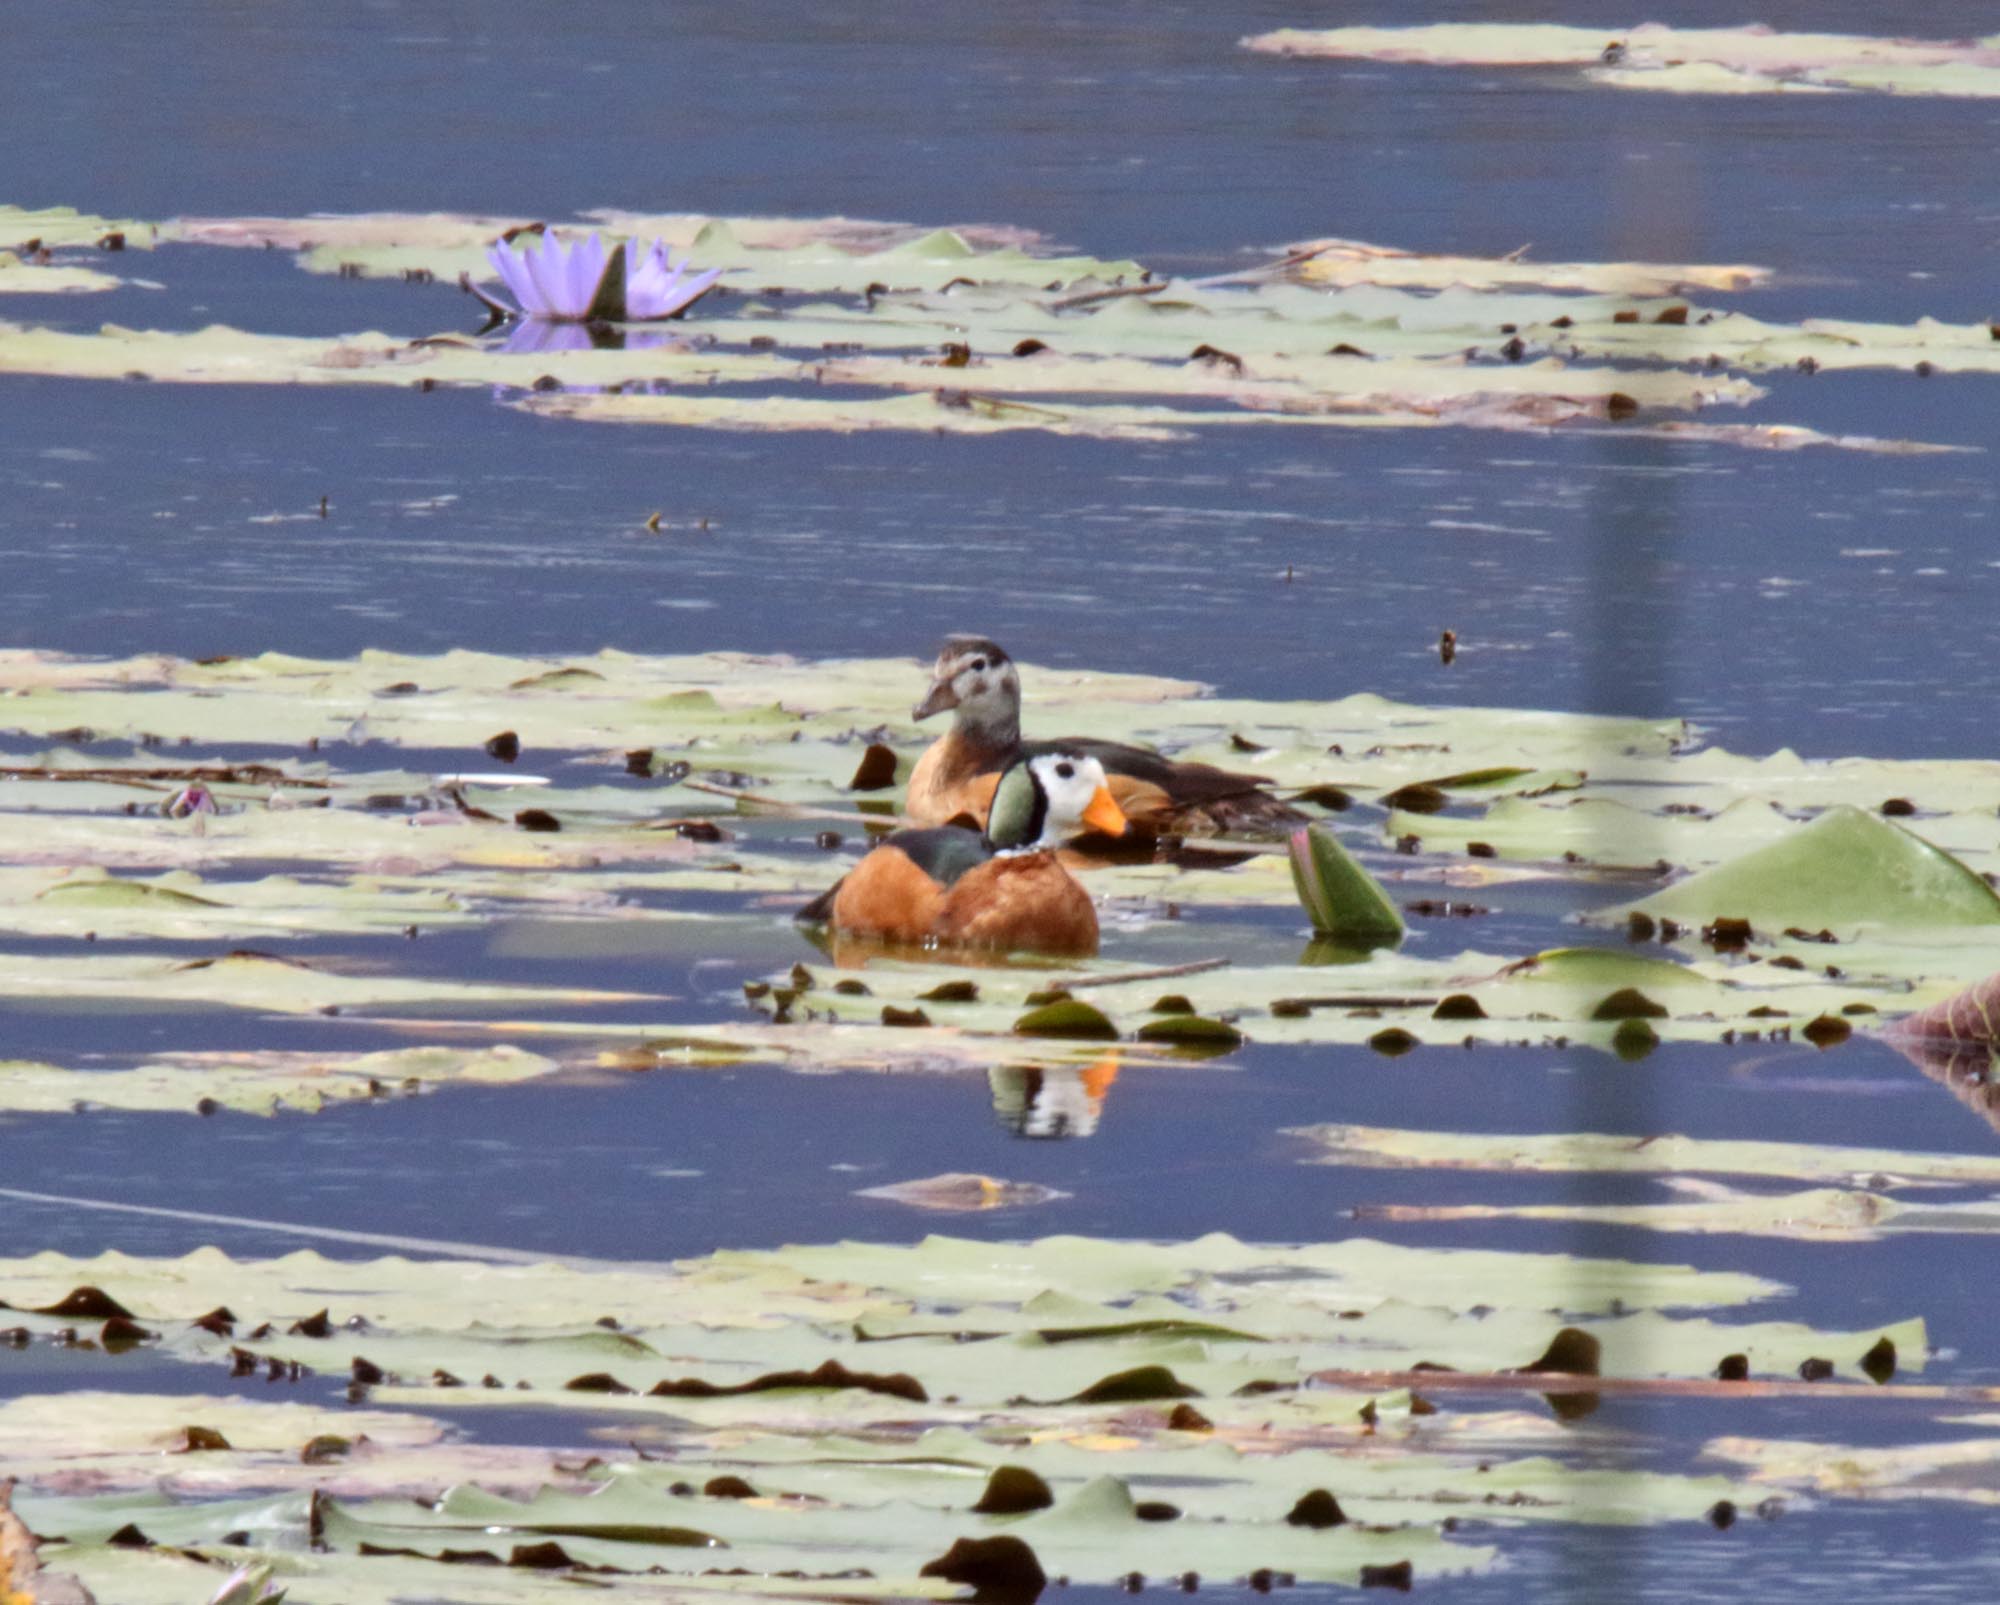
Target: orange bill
[1104,814]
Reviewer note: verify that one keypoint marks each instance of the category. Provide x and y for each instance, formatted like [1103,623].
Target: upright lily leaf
[1341,897]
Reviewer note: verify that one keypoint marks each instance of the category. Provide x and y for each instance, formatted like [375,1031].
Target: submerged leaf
[962,1191]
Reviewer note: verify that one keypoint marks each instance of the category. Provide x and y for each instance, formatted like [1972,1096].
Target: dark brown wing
[1203,798]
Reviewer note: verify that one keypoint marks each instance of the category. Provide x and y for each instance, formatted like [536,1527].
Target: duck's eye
[978,665]
[1066,771]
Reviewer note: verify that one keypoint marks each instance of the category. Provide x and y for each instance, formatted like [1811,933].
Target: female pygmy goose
[976,679]
[952,887]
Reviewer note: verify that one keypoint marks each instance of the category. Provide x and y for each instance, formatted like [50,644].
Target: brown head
[975,677]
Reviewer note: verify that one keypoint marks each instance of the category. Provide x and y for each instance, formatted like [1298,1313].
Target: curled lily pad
[1969,1018]
[1066,1017]
[1846,869]
[1193,1031]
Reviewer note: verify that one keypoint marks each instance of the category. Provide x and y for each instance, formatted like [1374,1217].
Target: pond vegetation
[1526,1066]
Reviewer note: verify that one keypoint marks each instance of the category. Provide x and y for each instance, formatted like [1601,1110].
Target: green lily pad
[1191,1031]
[967,331]
[1820,1215]
[261,1083]
[1384,1147]
[63,226]
[825,1466]
[34,278]
[1846,869]
[1067,1017]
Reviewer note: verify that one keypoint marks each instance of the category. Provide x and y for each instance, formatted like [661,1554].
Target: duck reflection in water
[1050,1101]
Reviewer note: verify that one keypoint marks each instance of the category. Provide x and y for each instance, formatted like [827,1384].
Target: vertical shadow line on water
[1635,523]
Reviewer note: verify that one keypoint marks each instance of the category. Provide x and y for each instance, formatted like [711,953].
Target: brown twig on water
[1362,1001]
[1265,269]
[1164,973]
[1547,1382]
[778,805]
[213,774]
[1116,292]
[1239,276]
[499,309]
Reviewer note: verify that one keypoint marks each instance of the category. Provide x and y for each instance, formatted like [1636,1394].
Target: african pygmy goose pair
[949,884]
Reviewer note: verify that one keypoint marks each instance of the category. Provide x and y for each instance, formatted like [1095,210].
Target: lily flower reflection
[537,337]
[584,283]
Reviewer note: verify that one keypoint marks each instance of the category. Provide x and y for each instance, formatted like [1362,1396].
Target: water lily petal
[645,275]
[507,263]
[547,266]
[558,283]
[656,287]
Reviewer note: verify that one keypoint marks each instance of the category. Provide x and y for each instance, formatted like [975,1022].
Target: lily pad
[1687,60]
[783,1448]
[1596,1152]
[1823,1214]
[36,278]
[261,1083]
[1846,869]
[850,326]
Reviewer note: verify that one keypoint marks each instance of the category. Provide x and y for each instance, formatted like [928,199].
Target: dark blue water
[1613,572]
[1616,572]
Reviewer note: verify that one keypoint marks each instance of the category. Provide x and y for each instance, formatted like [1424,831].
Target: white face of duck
[1062,794]
[975,676]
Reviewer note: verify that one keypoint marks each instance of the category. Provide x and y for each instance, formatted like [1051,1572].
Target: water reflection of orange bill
[1052,1100]
[1098,1076]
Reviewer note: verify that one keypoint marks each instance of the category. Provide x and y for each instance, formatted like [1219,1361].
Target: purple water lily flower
[191,800]
[586,284]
